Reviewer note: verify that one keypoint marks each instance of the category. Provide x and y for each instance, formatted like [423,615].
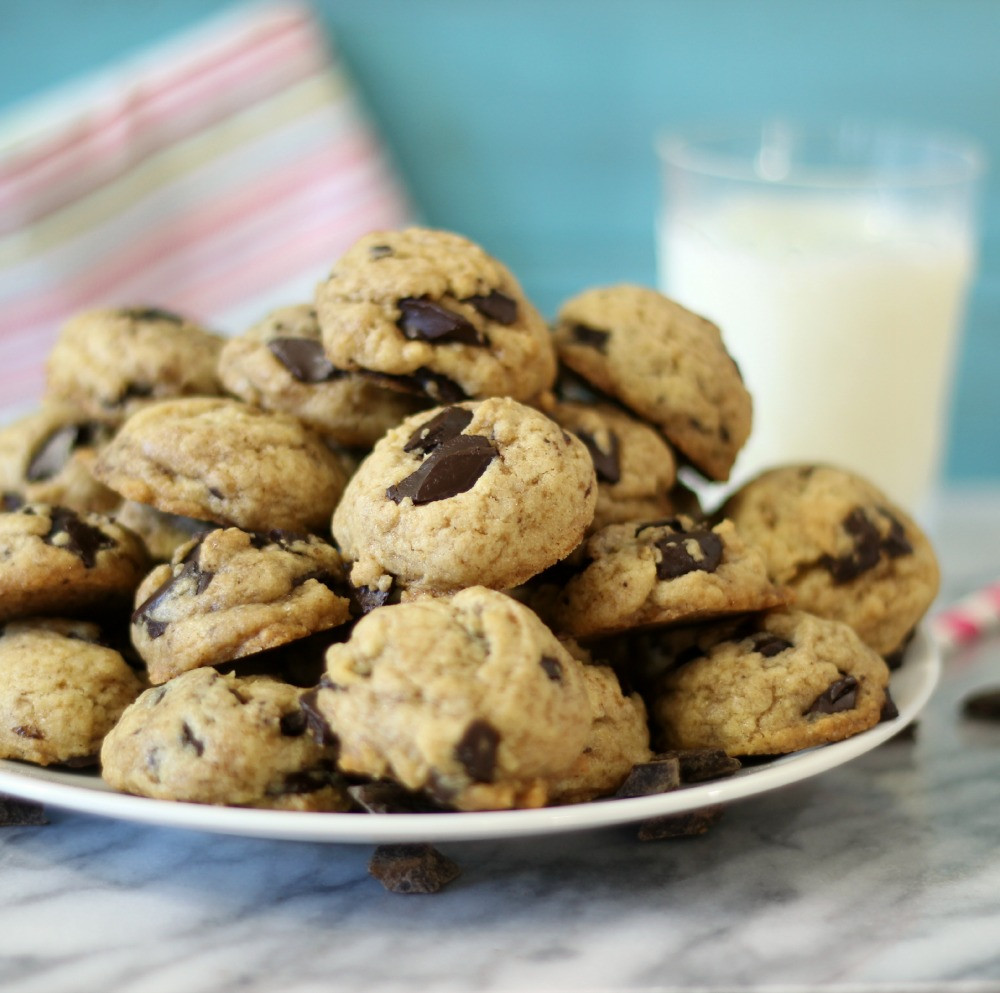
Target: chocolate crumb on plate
[983,705]
[384,797]
[412,868]
[21,813]
[687,825]
[661,775]
[700,764]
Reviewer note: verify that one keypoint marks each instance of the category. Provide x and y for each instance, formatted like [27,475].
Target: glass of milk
[836,262]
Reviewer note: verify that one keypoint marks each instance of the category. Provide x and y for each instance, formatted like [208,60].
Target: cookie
[46,457]
[161,533]
[279,364]
[219,739]
[222,460]
[663,362]
[230,593]
[788,681]
[672,571]
[618,738]
[434,313]
[485,493]
[636,469]
[470,698]
[55,561]
[843,547]
[110,363]
[61,691]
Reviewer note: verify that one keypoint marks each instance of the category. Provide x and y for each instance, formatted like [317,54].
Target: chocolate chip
[591,337]
[607,464]
[868,545]
[190,569]
[895,543]
[384,797]
[676,560]
[661,775]
[422,319]
[451,468]
[700,764]
[21,813]
[27,731]
[151,314]
[188,737]
[380,252]
[495,306]
[55,450]
[688,825]
[437,386]
[307,781]
[983,705]
[82,539]
[316,724]
[135,391]
[839,696]
[412,868]
[477,750]
[553,668]
[364,599]
[449,423]
[293,725]
[10,501]
[305,359]
[889,711]
[770,645]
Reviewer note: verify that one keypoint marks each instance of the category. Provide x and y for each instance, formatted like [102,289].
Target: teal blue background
[528,125]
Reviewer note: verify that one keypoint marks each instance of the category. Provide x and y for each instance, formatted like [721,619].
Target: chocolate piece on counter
[687,825]
[426,320]
[661,775]
[21,813]
[700,764]
[385,797]
[452,468]
[412,868]
[983,705]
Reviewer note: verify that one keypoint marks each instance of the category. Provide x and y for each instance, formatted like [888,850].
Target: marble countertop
[883,874]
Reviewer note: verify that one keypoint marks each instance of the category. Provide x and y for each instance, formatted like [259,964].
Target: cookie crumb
[21,813]
[415,868]
[687,825]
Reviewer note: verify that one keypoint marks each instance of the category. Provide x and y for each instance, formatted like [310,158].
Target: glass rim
[962,160]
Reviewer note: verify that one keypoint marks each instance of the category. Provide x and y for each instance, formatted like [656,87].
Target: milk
[842,315]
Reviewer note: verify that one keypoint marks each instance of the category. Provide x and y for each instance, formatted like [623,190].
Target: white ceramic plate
[911,688]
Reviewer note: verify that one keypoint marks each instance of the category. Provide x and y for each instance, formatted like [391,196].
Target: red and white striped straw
[969,619]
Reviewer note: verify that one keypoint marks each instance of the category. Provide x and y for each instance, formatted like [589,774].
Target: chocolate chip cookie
[55,561]
[788,681]
[655,573]
[229,593]
[225,461]
[279,364]
[433,313]
[61,691]
[843,547]
[205,737]
[478,493]
[469,697]
[109,363]
[666,364]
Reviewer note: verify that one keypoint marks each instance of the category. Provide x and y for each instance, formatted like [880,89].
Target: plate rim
[919,674]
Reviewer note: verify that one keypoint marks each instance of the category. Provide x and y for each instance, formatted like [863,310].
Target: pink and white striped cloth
[219,175]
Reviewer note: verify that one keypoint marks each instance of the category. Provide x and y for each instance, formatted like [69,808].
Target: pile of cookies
[409,541]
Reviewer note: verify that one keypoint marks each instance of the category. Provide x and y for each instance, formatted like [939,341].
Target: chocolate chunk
[553,668]
[983,705]
[437,386]
[55,450]
[21,813]
[495,306]
[591,337]
[82,539]
[889,711]
[316,724]
[450,423]
[364,599]
[190,569]
[307,781]
[840,695]
[422,319]
[687,825]
[293,725]
[451,468]
[868,545]
[412,868]
[770,645]
[385,797]
[188,737]
[607,464]
[661,775]
[477,751]
[895,543]
[700,764]
[676,560]
[305,359]
[28,731]
[380,252]
[151,314]
[10,501]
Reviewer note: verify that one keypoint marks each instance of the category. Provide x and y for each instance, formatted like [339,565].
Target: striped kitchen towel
[218,174]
